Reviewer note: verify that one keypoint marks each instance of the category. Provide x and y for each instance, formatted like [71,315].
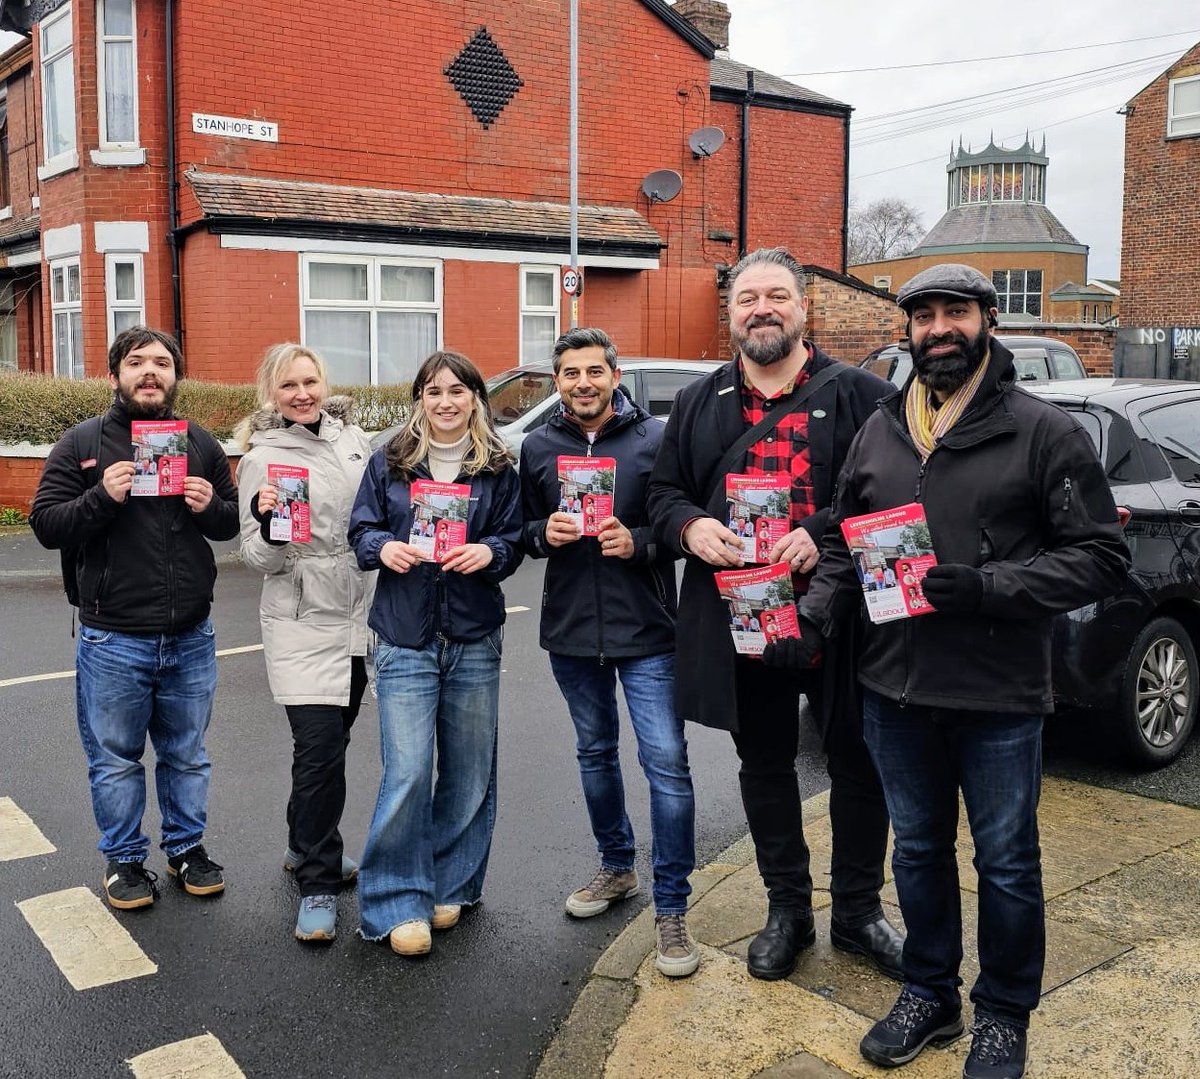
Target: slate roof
[15,229]
[418,216]
[726,74]
[997,223]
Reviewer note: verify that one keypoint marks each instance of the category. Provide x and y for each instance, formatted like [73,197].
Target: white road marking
[19,836]
[203,1057]
[86,941]
[26,679]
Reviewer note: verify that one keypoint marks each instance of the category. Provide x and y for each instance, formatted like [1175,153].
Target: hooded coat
[315,599]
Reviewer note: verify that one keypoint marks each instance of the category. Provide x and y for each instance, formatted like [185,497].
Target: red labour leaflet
[892,551]
[159,457]
[762,606]
[292,518]
[439,521]
[586,487]
[760,510]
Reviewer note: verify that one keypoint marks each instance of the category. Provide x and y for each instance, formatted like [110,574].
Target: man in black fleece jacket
[146,655]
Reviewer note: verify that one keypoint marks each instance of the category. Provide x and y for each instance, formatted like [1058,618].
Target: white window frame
[69,158]
[65,369]
[103,38]
[112,304]
[8,328]
[883,281]
[1181,125]
[527,308]
[373,305]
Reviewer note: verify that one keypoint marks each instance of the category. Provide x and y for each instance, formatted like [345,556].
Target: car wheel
[1157,708]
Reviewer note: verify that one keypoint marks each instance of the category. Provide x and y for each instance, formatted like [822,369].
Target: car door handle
[1190,512]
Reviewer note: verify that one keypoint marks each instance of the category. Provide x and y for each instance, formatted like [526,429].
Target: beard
[947,373]
[148,412]
[766,352]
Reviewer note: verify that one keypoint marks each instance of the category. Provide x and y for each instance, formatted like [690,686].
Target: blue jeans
[430,839]
[924,756]
[129,685]
[590,689]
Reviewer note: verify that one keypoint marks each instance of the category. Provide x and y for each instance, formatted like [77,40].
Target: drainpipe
[172,177]
[846,196]
[744,167]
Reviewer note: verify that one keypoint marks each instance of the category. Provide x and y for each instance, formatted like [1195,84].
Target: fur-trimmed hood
[339,407]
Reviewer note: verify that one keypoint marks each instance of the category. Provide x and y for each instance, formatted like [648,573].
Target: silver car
[1035,358]
[523,398]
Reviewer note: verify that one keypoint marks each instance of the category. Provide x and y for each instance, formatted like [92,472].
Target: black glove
[954,588]
[796,653]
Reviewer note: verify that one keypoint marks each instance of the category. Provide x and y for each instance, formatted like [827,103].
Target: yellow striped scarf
[927,424]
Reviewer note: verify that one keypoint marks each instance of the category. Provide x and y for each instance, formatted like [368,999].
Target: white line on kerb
[54,675]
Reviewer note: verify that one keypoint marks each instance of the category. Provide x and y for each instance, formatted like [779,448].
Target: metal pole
[574,166]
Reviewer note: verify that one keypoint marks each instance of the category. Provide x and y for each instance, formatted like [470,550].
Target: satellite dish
[706,141]
[662,186]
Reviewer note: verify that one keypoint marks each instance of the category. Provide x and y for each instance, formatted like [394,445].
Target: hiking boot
[678,955]
[997,1050]
[411,938]
[913,1023]
[196,871]
[318,918]
[446,915]
[349,866]
[129,885]
[607,887]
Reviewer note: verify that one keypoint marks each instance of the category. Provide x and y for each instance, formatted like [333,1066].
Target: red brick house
[251,173]
[1160,226]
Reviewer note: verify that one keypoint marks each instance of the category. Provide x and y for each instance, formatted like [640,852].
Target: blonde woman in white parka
[313,610]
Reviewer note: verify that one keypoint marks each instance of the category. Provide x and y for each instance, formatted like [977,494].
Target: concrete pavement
[1122,884]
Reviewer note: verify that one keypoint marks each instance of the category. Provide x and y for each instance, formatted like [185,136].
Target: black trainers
[997,1050]
[197,872]
[913,1023]
[130,885]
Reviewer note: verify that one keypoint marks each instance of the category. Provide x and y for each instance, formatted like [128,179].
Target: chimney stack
[710,17]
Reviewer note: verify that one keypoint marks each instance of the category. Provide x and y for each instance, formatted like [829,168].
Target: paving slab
[581,1046]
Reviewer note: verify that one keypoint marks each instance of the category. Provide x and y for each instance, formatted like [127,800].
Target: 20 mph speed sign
[572,282]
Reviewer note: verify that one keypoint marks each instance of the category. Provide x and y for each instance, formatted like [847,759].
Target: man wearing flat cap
[1024,527]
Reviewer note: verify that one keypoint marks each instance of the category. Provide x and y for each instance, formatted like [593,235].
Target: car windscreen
[513,393]
[1030,364]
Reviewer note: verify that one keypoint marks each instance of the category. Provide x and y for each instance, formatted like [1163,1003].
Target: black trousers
[320,735]
[768,704]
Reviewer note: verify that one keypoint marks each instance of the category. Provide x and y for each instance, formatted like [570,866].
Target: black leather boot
[773,952]
[879,941]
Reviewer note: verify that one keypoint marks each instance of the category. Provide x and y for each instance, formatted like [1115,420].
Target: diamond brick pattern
[483,77]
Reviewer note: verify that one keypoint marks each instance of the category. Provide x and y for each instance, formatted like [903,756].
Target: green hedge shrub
[38,409]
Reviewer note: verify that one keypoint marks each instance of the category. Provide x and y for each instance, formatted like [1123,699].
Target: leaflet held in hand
[760,509]
[892,551]
[586,488]
[762,606]
[439,521]
[159,457]
[292,517]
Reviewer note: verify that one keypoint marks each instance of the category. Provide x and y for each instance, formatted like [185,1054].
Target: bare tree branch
[887,228]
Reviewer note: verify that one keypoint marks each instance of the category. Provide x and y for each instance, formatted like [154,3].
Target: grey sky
[1086,152]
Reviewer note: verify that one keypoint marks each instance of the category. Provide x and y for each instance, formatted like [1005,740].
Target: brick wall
[848,320]
[1160,224]
[1093,343]
[18,481]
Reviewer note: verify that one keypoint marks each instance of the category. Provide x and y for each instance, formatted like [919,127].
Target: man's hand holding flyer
[762,606]
[759,512]
[159,457]
[892,551]
[586,489]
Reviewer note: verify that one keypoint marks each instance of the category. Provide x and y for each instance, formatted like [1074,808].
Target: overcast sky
[1084,136]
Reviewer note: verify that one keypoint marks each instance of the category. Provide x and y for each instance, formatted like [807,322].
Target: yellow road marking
[19,836]
[203,1057]
[89,945]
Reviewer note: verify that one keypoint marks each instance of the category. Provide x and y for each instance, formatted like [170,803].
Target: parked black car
[1033,357]
[1132,657]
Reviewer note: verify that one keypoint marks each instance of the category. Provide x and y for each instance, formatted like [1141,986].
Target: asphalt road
[486,1002]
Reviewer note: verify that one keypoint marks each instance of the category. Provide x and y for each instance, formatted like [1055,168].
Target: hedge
[38,408]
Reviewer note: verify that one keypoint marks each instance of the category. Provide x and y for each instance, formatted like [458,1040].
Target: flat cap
[948,279]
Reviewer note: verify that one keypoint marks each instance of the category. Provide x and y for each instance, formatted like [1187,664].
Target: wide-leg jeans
[590,689]
[925,756]
[431,835]
[128,686]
